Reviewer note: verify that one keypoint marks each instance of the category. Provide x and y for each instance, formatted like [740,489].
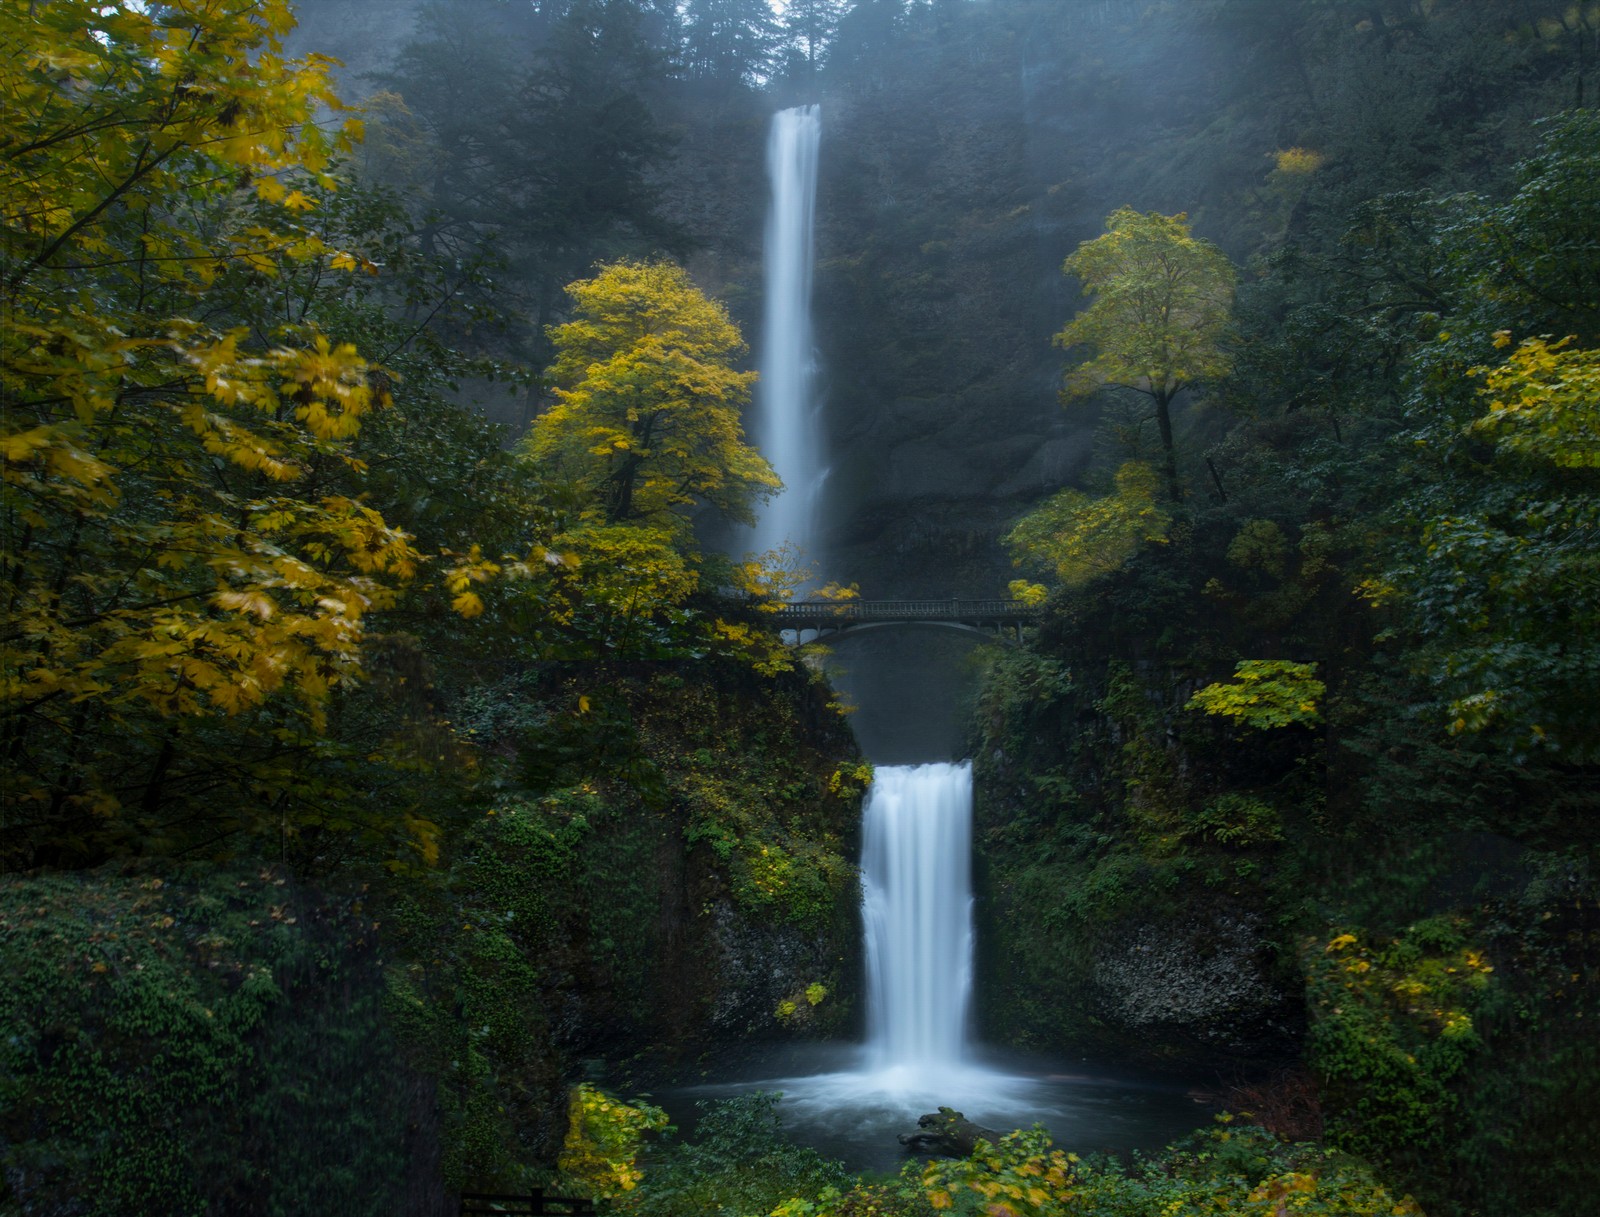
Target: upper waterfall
[786,430]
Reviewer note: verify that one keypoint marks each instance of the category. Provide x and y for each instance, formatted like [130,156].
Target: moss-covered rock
[673,863]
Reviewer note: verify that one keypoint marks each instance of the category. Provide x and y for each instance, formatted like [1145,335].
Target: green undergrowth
[781,823]
[759,772]
[207,1042]
[1393,1026]
[740,1164]
[635,845]
[1435,911]
[1094,821]
[1460,1052]
[480,948]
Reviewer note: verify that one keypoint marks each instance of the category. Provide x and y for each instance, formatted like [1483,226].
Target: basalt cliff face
[964,156]
[946,205]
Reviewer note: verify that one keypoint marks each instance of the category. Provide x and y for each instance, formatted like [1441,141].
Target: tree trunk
[1169,450]
[619,491]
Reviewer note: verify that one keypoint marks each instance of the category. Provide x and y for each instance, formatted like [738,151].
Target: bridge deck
[833,615]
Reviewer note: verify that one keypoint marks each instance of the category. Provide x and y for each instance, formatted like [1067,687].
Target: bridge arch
[1003,620]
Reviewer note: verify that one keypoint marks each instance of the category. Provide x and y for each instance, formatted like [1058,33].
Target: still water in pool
[837,1103]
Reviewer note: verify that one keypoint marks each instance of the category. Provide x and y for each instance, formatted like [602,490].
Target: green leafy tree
[538,135]
[1160,318]
[1492,567]
[1502,589]
[865,40]
[646,416]
[808,26]
[1076,537]
[1544,403]
[171,552]
[728,42]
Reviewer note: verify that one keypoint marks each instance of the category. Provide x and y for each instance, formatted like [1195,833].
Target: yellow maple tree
[177,550]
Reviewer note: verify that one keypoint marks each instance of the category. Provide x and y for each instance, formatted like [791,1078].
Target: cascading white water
[916,858]
[917,912]
[916,879]
[785,428]
[917,927]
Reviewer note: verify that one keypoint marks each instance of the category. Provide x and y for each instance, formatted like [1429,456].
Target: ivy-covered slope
[198,1039]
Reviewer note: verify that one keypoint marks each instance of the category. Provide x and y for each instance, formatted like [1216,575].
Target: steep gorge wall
[964,159]
[956,174]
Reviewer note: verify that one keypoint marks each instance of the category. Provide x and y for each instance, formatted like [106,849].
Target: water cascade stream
[917,907]
[919,1055]
[786,424]
[916,878]
[917,920]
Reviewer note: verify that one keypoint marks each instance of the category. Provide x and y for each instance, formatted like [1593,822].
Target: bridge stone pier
[1002,619]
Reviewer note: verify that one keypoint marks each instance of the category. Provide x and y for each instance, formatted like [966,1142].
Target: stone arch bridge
[1001,619]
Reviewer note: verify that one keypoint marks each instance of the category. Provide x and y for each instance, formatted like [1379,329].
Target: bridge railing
[839,612]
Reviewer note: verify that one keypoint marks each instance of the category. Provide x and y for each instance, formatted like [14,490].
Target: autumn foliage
[190,562]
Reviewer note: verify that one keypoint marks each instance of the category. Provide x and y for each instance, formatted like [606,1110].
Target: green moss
[469,994]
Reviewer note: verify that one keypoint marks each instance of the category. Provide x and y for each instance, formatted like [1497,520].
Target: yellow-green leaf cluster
[604,1137]
[184,544]
[1023,1175]
[646,416]
[1162,304]
[1265,693]
[1544,402]
[1076,537]
[120,115]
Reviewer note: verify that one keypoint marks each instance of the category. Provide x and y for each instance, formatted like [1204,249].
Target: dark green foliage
[209,1043]
[1229,1167]
[243,1042]
[663,821]
[1403,838]
[1495,554]
[538,132]
[1237,819]
[739,1162]
[470,999]
[1392,1027]
[1238,1165]
[727,43]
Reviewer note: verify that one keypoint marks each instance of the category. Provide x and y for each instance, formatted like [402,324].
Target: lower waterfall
[851,1101]
[917,906]
[916,879]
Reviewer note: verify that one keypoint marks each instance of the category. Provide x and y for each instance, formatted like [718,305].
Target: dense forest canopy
[347,735]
